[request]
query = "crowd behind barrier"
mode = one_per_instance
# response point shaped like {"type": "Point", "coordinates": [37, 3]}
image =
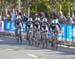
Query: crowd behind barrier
{"type": "Point", "coordinates": [11, 15]}
{"type": "Point", "coordinates": [68, 30]}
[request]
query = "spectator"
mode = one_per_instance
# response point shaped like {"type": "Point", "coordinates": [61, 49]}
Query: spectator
{"type": "Point", "coordinates": [19, 16]}
{"type": "Point", "coordinates": [4, 17]}
{"type": "Point", "coordinates": [43, 17]}
{"type": "Point", "coordinates": [8, 16]}
{"type": "Point", "coordinates": [25, 18]}
{"type": "Point", "coordinates": [73, 16]}
{"type": "Point", "coordinates": [13, 16]}
{"type": "Point", "coordinates": [69, 19]}
{"type": "Point", "coordinates": [61, 18]}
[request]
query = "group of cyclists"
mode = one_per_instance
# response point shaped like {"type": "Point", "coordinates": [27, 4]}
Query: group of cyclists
{"type": "Point", "coordinates": [37, 30]}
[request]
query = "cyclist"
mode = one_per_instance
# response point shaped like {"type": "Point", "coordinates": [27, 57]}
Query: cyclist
{"type": "Point", "coordinates": [54, 29]}
{"type": "Point", "coordinates": [29, 27]}
{"type": "Point", "coordinates": [37, 23]}
{"type": "Point", "coordinates": [44, 25]}
{"type": "Point", "coordinates": [44, 32]}
{"type": "Point", "coordinates": [18, 26]}
{"type": "Point", "coordinates": [29, 23]}
{"type": "Point", "coordinates": [18, 22]}
{"type": "Point", "coordinates": [36, 31]}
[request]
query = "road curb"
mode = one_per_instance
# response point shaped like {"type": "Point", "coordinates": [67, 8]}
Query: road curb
{"type": "Point", "coordinates": [66, 46]}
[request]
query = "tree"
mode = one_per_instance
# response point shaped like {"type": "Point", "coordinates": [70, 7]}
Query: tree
{"type": "Point", "coordinates": [40, 5]}
{"type": "Point", "coordinates": [64, 5]}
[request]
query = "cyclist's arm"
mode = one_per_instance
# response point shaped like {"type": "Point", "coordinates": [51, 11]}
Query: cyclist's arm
{"type": "Point", "coordinates": [15, 24]}
{"type": "Point", "coordinates": [21, 25]}
{"type": "Point", "coordinates": [59, 26]}
{"type": "Point", "coordinates": [50, 28]}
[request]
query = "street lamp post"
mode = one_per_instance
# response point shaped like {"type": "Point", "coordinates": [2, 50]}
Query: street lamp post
{"type": "Point", "coordinates": [19, 4]}
{"type": "Point", "coordinates": [36, 5]}
{"type": "Point", "coordinates": [29, 5]}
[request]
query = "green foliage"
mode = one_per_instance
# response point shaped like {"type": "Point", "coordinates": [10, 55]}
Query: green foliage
{"type": "Point", "coordinates": [46, 5]}
{"type": "Point", "coordinates": [42, 5]}
{"type": "Point", "coordinates": [66, 5]}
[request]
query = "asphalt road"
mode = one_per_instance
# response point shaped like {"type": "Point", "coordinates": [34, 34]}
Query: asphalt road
{"type": "Point", "coordinates": [10, 50]}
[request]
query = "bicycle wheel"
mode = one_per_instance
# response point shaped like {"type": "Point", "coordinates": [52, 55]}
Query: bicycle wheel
{"type": "Point", "coordinates": [54, 43]}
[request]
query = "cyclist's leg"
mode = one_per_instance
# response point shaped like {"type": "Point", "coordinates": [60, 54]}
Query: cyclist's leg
{"type": "Point", "coordinates": [52, 43]}
{"type": "Point", "coordinates": [28, 36]}
{"type": "Point", "coordinates": [39, 39]}
{"type": "Point", "coordinates": [31, 38]}
{"type": "Point", "coordinates": [20, 38]}
{"type": "Point", "coordinates": [43, 39]}
{"type": "Point", "coordinates": [56, 42]}
{"type": "Point", "coordinates": [46, 39]}
{"type": "Point", "coordinates": [17, 36]}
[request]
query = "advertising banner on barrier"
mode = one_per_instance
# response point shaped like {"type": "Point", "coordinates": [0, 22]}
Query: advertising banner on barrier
{"type": "Point", "coordinates": [7, 25]}
{"type": "Point", "coordinates": [62, 35]}
{"type": "Point", "coordinates": [69, 32]}
{"type": "Point", "coordinates": [1, 26]}
{"type": "Point", "coordinates": [12, 28]}
{"type": "Point", "coordinates": [73, 32]}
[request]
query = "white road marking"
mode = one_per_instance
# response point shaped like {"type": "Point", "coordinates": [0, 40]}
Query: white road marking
{"type": "Point", "coordinates": [9, 49]}
{"type": "Point", "coordinates": [1, 40]}
{"type": "Point", "coordinates": [33, 55]}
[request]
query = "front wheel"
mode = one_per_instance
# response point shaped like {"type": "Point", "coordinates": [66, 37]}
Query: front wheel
{"type": "Point", "coordinates": [54, 42]}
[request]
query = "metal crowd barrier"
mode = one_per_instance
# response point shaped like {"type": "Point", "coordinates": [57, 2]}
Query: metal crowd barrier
{"type": "Point", "coordinates": [68, 30]}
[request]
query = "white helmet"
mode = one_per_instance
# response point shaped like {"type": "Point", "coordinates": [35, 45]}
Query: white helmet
{"type": "Point", "coordinates": [55, 21]}
{"type": "Point", "coordinates": [18, 17]}
{"type": "Point", "coordinates": [45, 19]}
{"type": "Point", "coordinates": [37, 18]}
{"type": "Point", "coordinates": [30, 19]}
